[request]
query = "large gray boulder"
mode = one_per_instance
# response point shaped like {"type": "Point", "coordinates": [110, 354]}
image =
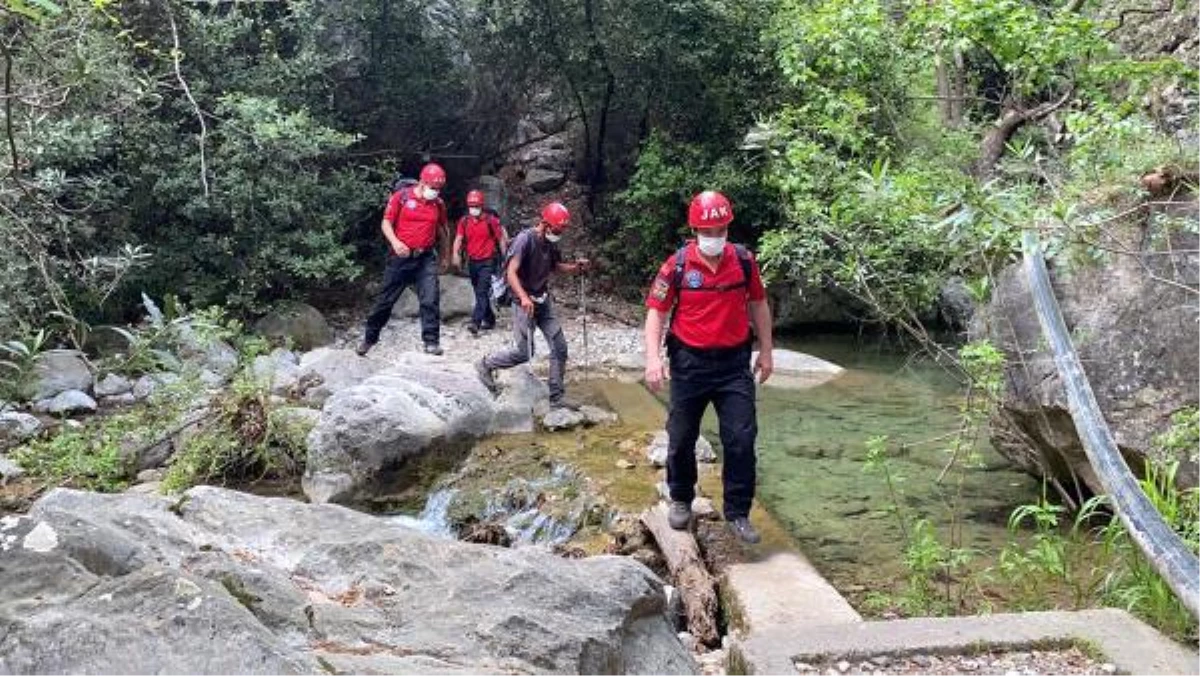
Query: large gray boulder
{"type": "Point", "coordinates": [371, 437]}
{"type": "Point", "coordinates": [544, 180]}
{"type": "Point", "coordinates": [207, 352]}
{"type": "Point", "coordinates": [217, 581]}
{"type": "Point", "coordinates": [1136, 338]}
{"type": "Point", "coordinates": [58, 371]}
{"type": "Point", "coordinates": [325, 371]}
{"type": "Point", "coordinates": [798, 371]}
{"type": "Point", "coordinates": [456, 299]}
{"type": "Point", "coordinates": [280, 371]}
{"type": "Point", "coordinates": [302, 324]}
{"type": "Point", "coordinates": [796, 305]}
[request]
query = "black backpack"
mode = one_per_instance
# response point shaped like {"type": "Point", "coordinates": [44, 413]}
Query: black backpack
{"type": "Point", "coordinates": [501, 294]}
{"type": "Point", "coordinates": [402, 182]}
{"type": "Point", "coordinates": [743, 256]}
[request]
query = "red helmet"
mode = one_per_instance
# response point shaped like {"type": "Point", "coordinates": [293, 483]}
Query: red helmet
{"type": "Point", "coordinates": [475, 198]}
{"type": "Point", "coordinates": [433, 175]}
{"type": "Point", "coordinates": [556, 215]}
{"type": "Point", "coordinates": [710, 209]}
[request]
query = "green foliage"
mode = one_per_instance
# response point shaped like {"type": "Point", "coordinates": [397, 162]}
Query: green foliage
{"type": "Point", "coordinates": [18, 365]}
{"type": "Point", "coordinates": [241, 441]}
{"type": "Point", "coordinates": [938, 571]}
{"type": "Point", "coordinates": [1182, 439]}
{"type": "Point", "coordinates": [86, 458]}
{"type": "Point", "coordinates": [651, 213]}
{"type": "Point", "coordinates": [1131, 582]}
{"type": "Point", "coordinates": [1101, 565]}
{"type": "Point", "coordinates": [99, 455]}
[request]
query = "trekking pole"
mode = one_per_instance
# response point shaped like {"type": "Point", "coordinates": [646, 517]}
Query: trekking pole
{"type": "Point", "coordinates": [532, 335]}
{"type": "Point", "coordinates": [583, 310]}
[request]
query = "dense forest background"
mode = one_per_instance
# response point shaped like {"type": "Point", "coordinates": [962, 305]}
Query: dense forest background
{"type": "Point", "coordinates": [238, 153]}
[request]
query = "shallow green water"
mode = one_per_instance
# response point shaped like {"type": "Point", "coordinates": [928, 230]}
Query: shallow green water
{"type": "Point", "coordinates": [811, 464]}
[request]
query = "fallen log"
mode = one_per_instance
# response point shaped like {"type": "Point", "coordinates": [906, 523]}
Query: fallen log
{"type": "Point", "coordinates": [697, 588]}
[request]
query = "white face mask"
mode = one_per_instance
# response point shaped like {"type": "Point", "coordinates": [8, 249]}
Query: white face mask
{"type": "Point", "coordinates": [475, 211]}
{"type": "Point", "coordinates": [430, 194]}
{"type": "Point", "coordinates": [552, 237]}
{"type": "Point", "coordinates": [710, 246]}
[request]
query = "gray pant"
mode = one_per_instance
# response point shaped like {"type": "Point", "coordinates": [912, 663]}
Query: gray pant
{"type": "Point", "coordinates": [519, 353]}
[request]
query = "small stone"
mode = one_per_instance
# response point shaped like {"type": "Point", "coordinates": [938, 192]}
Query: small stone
{"type": "Point", "coordinates": [9, 470]}
{"type": "Point", "coordinates": [803, 666]}
{"type": "Point", "coordinates": [123, 399]}
{"type": "Point", "coordinates": [146, 385]}
{"type": "Point", "coordinates": [16, 426]}
{"type": "Point", "coordinates": [1108, 668]}
{"type": "Point", "coordinates": [147, 488]}
{"type": "Point", "coordinates": [922, 661]}
{"type": "Point", "coordinates": [968, 665]}
{"type": "Point", "coordinates": [112, 385]}
{"type": "Point", "coordinates": [625, 464]}
{"type": "Point", "coordinates": [843, 666]}
{"type": "Point", "coordinates": [71, 401]}
{"type": "Point", "coordinates": [881, 660]}
{"type": "Point", "coordinates": [148, 475]}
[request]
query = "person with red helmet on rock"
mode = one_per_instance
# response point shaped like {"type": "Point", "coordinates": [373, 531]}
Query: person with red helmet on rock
{"type": "Point", "coordinates": [485, 240]}
{"type": "Point", "coordinates": [530, 260]}
{"type": "Point", "coordinates": [414, 218]}
{"type": "Point", "coordinates": [713, 294]}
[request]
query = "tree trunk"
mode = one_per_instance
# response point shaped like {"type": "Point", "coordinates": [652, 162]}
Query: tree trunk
{"type": "Point", "coordinates": [951, 88]}
{"type": "Point", "coordinates": [597, 174]}
{"type": "Point", "coordinates": [958, 89]}
{"type": "Point", "coordinates": [992, 148]}
{"type": "Point", "coordinates": [696, 586]}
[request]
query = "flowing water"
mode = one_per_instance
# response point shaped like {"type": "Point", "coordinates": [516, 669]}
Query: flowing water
{"type": "Point", "coordinates": [813, 476]}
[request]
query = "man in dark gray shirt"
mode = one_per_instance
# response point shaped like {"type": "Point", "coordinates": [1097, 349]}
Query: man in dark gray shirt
{"type": "Point", "coordinates": [532, 257]}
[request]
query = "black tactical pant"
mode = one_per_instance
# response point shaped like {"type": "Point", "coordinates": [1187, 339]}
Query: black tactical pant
{"type": "Point", "coordinates": [721, 377]}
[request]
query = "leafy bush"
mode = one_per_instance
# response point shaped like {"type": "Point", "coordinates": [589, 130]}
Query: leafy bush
{"type": "Point", "coordinates": [241, 441]}
{"type": "Point", "coordinates": [650, 215]}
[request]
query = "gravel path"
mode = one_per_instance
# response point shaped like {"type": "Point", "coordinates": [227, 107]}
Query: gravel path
{"type": "Point", "coordinates": [1010, 663]}
{"type": "Point", "coordinates": [610, 343]}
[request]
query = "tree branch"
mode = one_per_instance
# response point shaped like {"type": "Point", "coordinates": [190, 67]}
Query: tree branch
{"type": "Point", "coordinates": [176, 55]}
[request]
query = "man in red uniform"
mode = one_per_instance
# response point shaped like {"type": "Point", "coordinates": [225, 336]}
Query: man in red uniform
{"type": "Point", "coordinates": [485, 240]}
{"type": "Point", "coordinates": [414, 217]}
{"type": "Point", "coordinates": [717, 294]}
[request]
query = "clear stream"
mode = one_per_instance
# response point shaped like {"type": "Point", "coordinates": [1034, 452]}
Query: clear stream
{"type": "Point", "coordinates": [812, 451]}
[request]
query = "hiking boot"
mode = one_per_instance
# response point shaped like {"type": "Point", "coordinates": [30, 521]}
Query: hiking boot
{"type": "Point", "coordinates": [363, 348]}
{"type": "Point", "coordinates": [487, 327]}
{"type": "Point", "coordinates": [433, 348]}
{"type": "Point", "coordinates": [679, 515]}
{"type": "Point", "coordinates": [473, 330]}
{"type": "Point", "coordinates": [740, 526]}
{"type": "Point", "coordinates": [486, 377]}
{"type": "Point", "coordinates": [564, 403]}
